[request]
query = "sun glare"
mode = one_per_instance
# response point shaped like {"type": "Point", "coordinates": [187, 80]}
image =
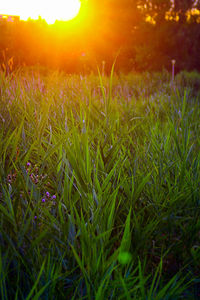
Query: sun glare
{"type": "Point", "coordinates": [50, 10]}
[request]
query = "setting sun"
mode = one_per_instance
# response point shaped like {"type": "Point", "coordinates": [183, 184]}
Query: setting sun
{"type": "Point", "coordinates": [61, 10]}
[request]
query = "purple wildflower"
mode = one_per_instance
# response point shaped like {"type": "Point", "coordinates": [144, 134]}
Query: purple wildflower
{"type": "Point", "coordinates": [43, 200]}
{"type": "Point", "coordinates": [28, 164]}
{"type": "Point", "coordinates": [53, 197]}
{"type": "Point", "coordinates": [47, 194]}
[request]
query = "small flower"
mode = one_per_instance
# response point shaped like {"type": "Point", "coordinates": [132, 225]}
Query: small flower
{"type": "Point", "coordinates": [53, 197]}
{"type": "Point", "coordinates": [9, 178]}
{"type": "Point", "coordinates": [28, 164]}
{"type": "Point", "coordinates": [35, 217]}
{"type": "Point", "coordinates": [47, 194]}
{"type": "Point", "coordinates": [43, 200]}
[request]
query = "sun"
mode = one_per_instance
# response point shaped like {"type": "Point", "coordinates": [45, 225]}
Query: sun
{"type": "Point", "coordinates": [50, 10]}
{"type": "Point", "coordinates": [62, 10]}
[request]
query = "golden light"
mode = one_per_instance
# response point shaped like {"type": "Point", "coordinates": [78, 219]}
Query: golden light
{"type": "Point", "coordinates": [50, 10]}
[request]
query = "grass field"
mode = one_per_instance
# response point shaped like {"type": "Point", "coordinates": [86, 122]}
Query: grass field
{"type": "Point", "coordinates": [99, 186]}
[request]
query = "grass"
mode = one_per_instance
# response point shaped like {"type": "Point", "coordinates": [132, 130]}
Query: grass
{"type": "Point", "coordinates": [99, 187]}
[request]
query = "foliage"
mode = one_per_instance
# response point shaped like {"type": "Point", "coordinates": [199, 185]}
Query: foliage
{"type": "Point", "coordinates": [189, 80]}
{"type": "Point", "coordinates": [99, 187]}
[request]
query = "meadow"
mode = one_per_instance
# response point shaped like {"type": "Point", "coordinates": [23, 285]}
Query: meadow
{"type": "Point", "coordinates": [99, 186]}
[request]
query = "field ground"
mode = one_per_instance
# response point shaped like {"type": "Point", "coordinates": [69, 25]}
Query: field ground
{"type": "Point", "coordinates": [99, 186]}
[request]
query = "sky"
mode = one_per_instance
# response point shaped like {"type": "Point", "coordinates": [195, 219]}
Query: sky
{"type": "Point", "coordinates": [47, 9]}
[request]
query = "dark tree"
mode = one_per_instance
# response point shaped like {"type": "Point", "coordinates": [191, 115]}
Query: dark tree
{"type": "Point", "coordinates": [156, 9]}
{"type": "Point", "coordinates": [181, 7]}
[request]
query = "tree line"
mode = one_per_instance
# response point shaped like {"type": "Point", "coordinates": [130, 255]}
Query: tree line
{"type": "Point", "coordinates": [144, 35]}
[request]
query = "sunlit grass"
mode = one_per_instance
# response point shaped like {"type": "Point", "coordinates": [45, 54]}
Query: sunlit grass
{"type": "Point", "coordinates": [99, 187]}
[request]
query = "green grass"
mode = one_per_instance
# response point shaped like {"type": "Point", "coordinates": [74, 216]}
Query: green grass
{"type": "Point", "coordinates": [99, 187]}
